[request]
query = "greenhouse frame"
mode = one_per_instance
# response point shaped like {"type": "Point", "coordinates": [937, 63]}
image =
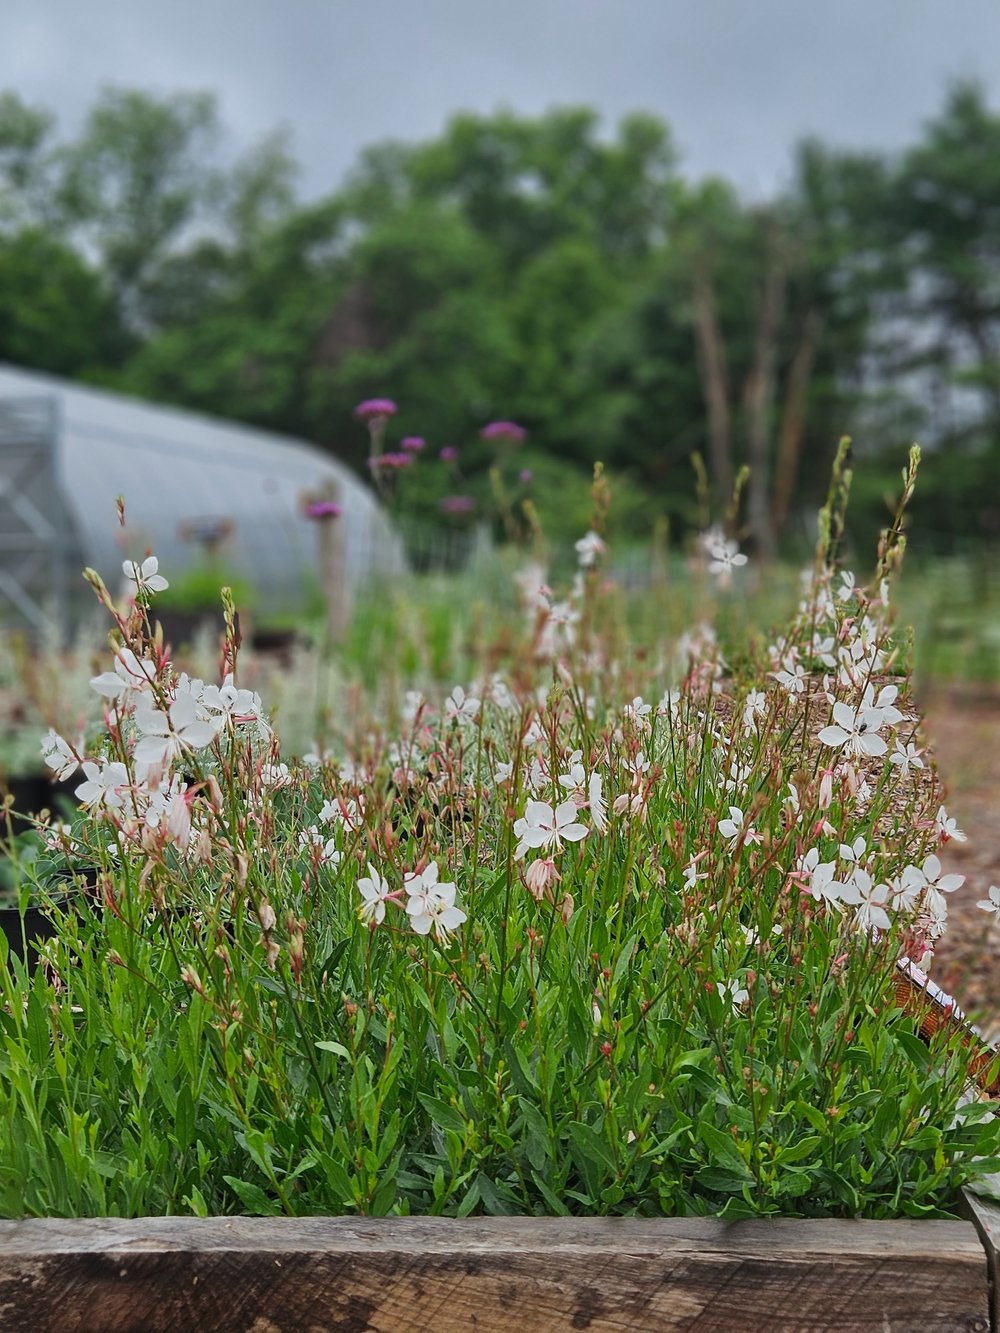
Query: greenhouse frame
{"type": "Point", "coordinates": [191, 485]}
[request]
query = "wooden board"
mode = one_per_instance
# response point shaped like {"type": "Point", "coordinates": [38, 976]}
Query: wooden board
{"type": "Point", "coordinates": [406, 1275]}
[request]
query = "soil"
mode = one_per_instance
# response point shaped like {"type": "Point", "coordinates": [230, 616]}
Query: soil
{"type": "Point", "coordinates": [962, 725]}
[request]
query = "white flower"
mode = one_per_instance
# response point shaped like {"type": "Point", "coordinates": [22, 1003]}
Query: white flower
{"type": "Point", "coordinates": [871, 901]}
{"type": "Point", "coordinates": [130, 675]}
{"type": "Point", "coordinates": [432, 905]}
{"type": "Point", "coordinates": [324, 848]}
{"type": "Point", "coordinates": [947, 828]}
{"type": "Point", "coordinates": [726, 557]}
{"type": "Point", "coordinates": [792, 676]}
{"type": "Point", "coordinates": [576, 776]}
{"type": "Point", "coordinates": [906, 757]}
{"type": "Point", "coordinates": [543, 827]}
{"type": "Point", "coordinates": [275, 775]}
{"type": "Point", "coordinates": [104, 785]}
{"type": "Point", "coordinates": [854, 851]}
{"type": "Point", "coordinates": [144, 576]}
{"type": "Point", "coordinates": [824, 888]}
{"type": "Point", "coordinates": [503, 773]}
{"type": "Point", "coordinates": [754, 705]}
{"type": "Point", "coordinates": [588, 548]}
{"type": "Point", "coordinates": [856, 730]}
{"type": "Point", "coordinates": [460, 707]}
{"type": "Point", "coordinates": [929, 881]}
{"type": "Point", "coordinates": [58, 755]}
{"type": "Point", "coordinates": [732, 991]}
{"type": "Point", "coordinates": [598, 806]}
{"type": "Point", "coordinates": [884, 704]}
{"type": "Point", "coordinates": [638, 711]}
{"type": "Point", "coordinates": [691, 875]}
{"type": "Point", "coordinates": [733, 829]}
{"type": "Point", "coordinates": [165, 735]}
{"type": "Point", "coordinates": [375, 892]}
{"type": "Point", "coordinates": [992, 903]}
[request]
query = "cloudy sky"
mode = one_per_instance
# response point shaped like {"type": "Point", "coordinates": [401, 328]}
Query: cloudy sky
{"type": "Point", "coordinates": [738, 80]}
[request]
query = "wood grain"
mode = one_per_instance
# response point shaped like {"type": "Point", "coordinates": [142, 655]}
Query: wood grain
{"type": "Point", "coordinates": [407, 1274]}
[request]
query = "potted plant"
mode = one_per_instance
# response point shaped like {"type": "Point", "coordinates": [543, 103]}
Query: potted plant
{"type": "Point", "coordinates": [618, 962]}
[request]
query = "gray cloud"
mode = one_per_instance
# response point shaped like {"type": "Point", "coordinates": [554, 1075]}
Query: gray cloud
{"type": "Point", "coordinates": [738, 80]}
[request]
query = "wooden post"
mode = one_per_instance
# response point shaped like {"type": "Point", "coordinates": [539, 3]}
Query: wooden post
{"type": "Point", "coordinates": [501, 1273]}
{"type": "Point", "coordinates": [332, 545]}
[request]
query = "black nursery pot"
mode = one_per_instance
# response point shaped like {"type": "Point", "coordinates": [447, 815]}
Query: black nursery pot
{"type": "Point", "coordinates": [37, 929]}
{"type": "Point", "coordinates": [37, 792]}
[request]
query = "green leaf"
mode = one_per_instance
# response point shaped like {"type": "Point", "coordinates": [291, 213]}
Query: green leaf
{"type": "Point", "coordinates": [252, 1197]}
{"type": "Point", "coordinates": [334, 1047]}
{"type": "Point", "coordinates": [443, 1115]}
{"type": "Point", "coordinates": [724, 1151]}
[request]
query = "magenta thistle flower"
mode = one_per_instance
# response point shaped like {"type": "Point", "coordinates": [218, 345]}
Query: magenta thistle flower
{"type": "Point", "coordinates": [525, 476]}
{"type": "Point", "coordinates": [449, 454]}
{"type": "Point", "coordinates": [504, 430]}
{"type": "Point", "coordinates": [389, 462]}
{"type": "Point", "coordinates": [457, 504]}
{"type": "Point", "coordinates": [323, 509]}
{"type": "Point", "coordinates": [375, 409]}
{"type": "Point", "coordinates": [412, 444]}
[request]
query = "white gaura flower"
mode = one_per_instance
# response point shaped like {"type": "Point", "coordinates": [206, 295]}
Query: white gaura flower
{"type": "Point", "coordinates": [855, 730]}
{"type": "Point", "coordinates": [545, 828]}
{"type": "Point", "coordinates": [906, 757]}
{"type": "Point", "coordinates": [854, 852]}
{"type": "Point", "coordinates": [144, 576]}
{"type": "Point", "coordinates": [734, 829]}
{"type": "Point", "coordinates": [460, 707]}
{"type": "Point", "coordinates": [732, 991]}
{"type": "Point", "coordinates": [598, 805]}
{"type": "Point", "coordinates": [754, 705]}
{"type": "Point", "coordinates": [576, 776]}
{"type": "Point", "coordinates": [947, 828]}
{"type": "Point", "coordinates": [166, 735]}
{"type": "Point", "coordinates": [885, 703]}
{"type": "Point", "coordinates": [588, 548]}
{"type": "Point", "coordinates": [823, 886]}
{"type": "Point", "coordinates": [871, 901]}
{"type": "Point", "coordinates": [504, 772]}
{"type": "Point", "coordinates": [375, 893]}
{"type": "Point", "coordinates": [324, 849]}
{"type": "Point", "coordinates": [431, 905]}
{"type": "Point", "coordinates": [59, 755]}
{"type": "Point", "coordinates": [928, 880]}
{"type": "Point", "coordinates": [725, 557]}
{"type": "Point", "coordinates": [791, 677]}
{"type": "Point", "coordinates": [131, 675]}
{"type": "Point", "coordinates": [105, 785]}
{"type": "Point", "coordinates": [992, 903]}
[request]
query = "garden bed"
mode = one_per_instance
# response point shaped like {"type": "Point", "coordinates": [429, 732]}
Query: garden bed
{"type": "Point", "coordinates": [496, 1273]}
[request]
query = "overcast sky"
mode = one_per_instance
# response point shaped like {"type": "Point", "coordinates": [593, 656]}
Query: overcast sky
{"type": "Point", "coordinates": [739, 81]}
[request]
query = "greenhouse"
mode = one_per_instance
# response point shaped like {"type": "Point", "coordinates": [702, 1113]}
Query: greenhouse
{"type": "Point", "coordinates": [197, 492]}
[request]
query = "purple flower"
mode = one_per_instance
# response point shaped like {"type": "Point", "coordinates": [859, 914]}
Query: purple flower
{"type": "Point", "coordinates": [412, 444]}
{"type": "Point", "coordinates": [323, 509]}
{"type": "Point", "coordinates": [504, 430]}
{"type": "Point", "coordinates": [376, 409]}
{"type": "Point", "coordinates": [457, 504]}
{"type": "Point", "coordinates": [525, 476]}
{"type": "Point", "coordinates": [388, 462]}
{"type": "Point", "coordinates": [449, 454]}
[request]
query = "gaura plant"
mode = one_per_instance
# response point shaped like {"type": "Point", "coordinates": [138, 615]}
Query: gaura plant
{"type": "Point", "coordinates": [603, 932]}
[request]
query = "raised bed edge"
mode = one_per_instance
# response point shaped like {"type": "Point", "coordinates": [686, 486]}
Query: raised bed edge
{"type": "Point", "coordinates": [273, 1274]}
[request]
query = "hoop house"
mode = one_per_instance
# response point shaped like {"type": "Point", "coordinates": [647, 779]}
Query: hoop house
{"type": "Point", "coordinates": [191, 484]}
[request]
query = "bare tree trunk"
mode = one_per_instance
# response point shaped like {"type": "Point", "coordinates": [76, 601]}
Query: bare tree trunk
{"type": "Point", "coordinates": [712, 366]}
{"type": "Point", "coordinates": [794, 419]}
{"type": "Point", "coordinates": [758, 400]}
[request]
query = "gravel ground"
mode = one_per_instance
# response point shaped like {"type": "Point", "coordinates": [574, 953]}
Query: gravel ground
{"type": "Point", "coordinates": [962, 726]}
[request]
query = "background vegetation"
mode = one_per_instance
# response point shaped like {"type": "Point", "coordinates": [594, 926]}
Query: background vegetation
{"type": "Point", "coordinates": [542, 270]}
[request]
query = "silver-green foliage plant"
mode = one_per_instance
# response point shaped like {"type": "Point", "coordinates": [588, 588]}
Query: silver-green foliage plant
{"type": "Point", "coordinates": [596, 935]}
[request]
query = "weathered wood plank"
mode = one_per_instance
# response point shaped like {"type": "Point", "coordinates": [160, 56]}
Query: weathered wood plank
{"type": "Point", "coordinates": [407, 1274]}
{"type": "Point", "coordinates": [985, 1214]}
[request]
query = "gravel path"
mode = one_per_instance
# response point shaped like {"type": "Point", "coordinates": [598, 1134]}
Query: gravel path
{"type": "Point", "coordinates": [963, 728]}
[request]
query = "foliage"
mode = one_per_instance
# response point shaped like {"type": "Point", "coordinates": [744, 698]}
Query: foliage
{"type": "Point", "coordinates": [542, 948]}
{"type": "Point", "coordinates": [537, 269]}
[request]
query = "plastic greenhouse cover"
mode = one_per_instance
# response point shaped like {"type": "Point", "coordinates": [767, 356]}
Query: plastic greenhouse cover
{"type": "Point", "coordinates": [178, 470]}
